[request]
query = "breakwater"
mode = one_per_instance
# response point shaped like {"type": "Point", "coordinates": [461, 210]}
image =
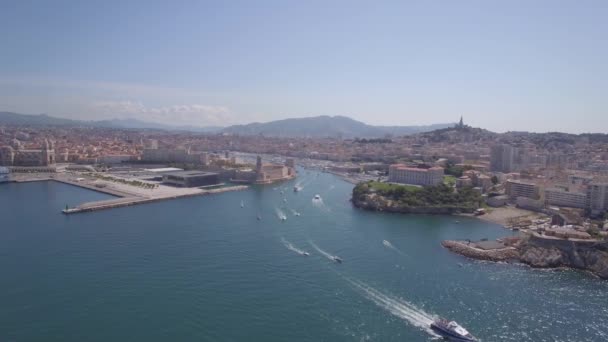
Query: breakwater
{"type": "Point", "coordinates": [470, 250]}
{"type": "Point", "coordinates": [129, 201]}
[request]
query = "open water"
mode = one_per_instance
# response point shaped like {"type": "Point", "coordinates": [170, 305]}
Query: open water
{"type": "Point", "coordinates": [205, 269]}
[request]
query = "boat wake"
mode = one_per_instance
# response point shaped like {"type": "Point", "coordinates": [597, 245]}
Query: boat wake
{"type": "Point", "coordinates": [280, 214]}
{"type": "Point", "coordinates": [324, 253]}
{"type": "Point", "coordinates": [389, 245]}
{"type": "Point", "coordinates": [318, 203]}
{"type": "Point", "coordinates": [292, 247]}
{"type": "Point", "coordinates": [396, 306]}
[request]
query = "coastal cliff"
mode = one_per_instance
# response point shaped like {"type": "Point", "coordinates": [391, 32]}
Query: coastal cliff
{"type": "Point", "coordinates": [541, 252]}
{"type": "Point", "coordinates": [441, 199]}
{"type": "Point", "coordinates": [585, 255]}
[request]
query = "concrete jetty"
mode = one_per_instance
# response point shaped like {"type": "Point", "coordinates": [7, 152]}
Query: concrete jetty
{"type": "Point", "coordinates": [129, 201]}
{"type": "Point", "coordinates": [126, 194]}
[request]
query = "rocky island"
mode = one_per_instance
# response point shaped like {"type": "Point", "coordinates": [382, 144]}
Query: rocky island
{"type": "Point", "coordinates": [410, 199]}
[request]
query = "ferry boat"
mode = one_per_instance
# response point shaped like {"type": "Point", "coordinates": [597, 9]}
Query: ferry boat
{"type": "Point", "coordinates": [452, 331]}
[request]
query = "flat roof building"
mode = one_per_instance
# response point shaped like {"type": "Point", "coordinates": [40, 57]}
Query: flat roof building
{"type": "Point", "coordinates": [516, 189]}
{"type": "Point", "coordinates": [191, 179]}
{"type": "Point", "coordinates": [400, 173]}
{"type": "Point", "coordinates": [563, 198]}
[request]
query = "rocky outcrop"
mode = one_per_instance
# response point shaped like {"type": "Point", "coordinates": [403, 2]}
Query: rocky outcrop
{"type": "Point", "coordinates": [585, 255]}
{"type": "Point", "coordinates": [541, 252]}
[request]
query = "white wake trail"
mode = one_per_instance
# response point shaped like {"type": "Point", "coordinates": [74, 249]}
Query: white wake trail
{"type": "Point", "coordinates": [324, 253]}
{"type": "Point", "coordinates": [280, 214]}
{"type": "Point", "coordinates": [291, 247]}
{"type": "Point", "coordinates": [396, 306]}
{"type": "Point", "coordinates": [389, 245]}
{"type": "Point", "coordinates": [318, 203]}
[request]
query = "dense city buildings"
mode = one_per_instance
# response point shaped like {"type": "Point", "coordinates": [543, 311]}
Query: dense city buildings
{"type": "Point", "coordinates": [543, 170]}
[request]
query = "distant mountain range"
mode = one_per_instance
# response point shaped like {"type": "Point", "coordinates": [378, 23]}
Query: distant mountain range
{"type": "Point", "coordinates": [326, 126]}
{"type": "Point", "coordinates": [16, 119]}
{"type": "Point", "coordinates": [314, 127]}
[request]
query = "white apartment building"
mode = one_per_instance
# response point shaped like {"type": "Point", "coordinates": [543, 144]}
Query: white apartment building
{"type": "Point", "coordinates": [563, 198]}
{"type": "Point", "coordinates": [516, 189]}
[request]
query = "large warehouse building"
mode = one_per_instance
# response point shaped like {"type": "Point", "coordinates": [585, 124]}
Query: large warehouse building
{"type": "Point", "coordinates": [191, 179]}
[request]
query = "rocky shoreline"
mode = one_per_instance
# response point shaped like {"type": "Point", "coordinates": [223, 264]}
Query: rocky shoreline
{"type": "Point", "coordinates": [378, 203]}
{"type": "Point", "coordinates": [540, 252]}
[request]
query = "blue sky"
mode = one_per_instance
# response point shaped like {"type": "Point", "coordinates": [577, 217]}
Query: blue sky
{"type": "Point", "coordinates": [510, 65]}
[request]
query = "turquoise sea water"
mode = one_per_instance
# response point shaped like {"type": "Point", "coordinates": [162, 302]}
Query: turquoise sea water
{"type": "Point", "coordinates": [205, 269]}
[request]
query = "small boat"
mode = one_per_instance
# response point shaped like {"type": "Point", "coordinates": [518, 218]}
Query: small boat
{"type": "Point", "coordinates": [317, 197]}
{"type": "Point", "coordinates": [259, 217]}
{"type": "Point", "coordinates": [285, 200]}
{"type": "Point", "coordinates": [305, 253]}
{"type": "Point", "coordinates": [337, 259]}
{"type": "Point", "coordinates": [283, 218]}
{"type": "Point", "coordinates": [296, 188]}
{"type": "Point", "coordinates": [452, 331]}
{"type": "Point", "coordinates": [242, 204]}
{"type": "Point", "coordinates": [297, 213]}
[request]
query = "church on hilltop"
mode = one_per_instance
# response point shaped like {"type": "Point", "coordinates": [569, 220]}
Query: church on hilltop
{"type": "Point", "coordinates": [460, 124]}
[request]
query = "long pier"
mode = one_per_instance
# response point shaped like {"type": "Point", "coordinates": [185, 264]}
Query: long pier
{"type": "Point", "coordinates": [134, 200]}
{"type": "Point", "coordinates": [126, 195]}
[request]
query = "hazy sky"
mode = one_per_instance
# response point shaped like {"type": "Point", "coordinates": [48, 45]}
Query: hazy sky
{"type": "Point", "coordinates": [504, 65]}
